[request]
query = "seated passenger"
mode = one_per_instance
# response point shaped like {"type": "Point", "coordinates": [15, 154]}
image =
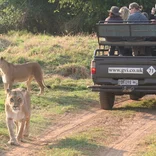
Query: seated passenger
{"type": "Point", "coordinates": [114, 17]}
{"type": "Point", "coordinates": [137, 17]}
{"type": "Point", "coordinates": [152, 19]}
{"type": "Point", "coordinates": [124, 13]}
{"type": "Point", "coordinates": [152, 15]}
{"type": "Point", "coordinates": [135, 14]}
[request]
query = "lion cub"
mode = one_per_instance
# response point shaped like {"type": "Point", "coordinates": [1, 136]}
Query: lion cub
{"type": "Point", "coordinates": [18, 111]}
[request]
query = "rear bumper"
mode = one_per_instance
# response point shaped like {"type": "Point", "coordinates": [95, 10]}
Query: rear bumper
{"type": "Point", "coordinates": [124, 89]}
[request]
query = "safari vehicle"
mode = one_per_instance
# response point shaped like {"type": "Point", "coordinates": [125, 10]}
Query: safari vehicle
{"type": "Point", "coordinates": [117, 75]}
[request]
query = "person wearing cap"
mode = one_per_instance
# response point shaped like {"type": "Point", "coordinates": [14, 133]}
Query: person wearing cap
{"type": "Point", "coordinates": [114, 17]}
{"type": "Point", "coordinates": [135, 14]}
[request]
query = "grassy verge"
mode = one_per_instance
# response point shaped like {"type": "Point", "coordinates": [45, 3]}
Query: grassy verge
{"type": "Point", "coordinates": [95, 138]}
{"type": "Point", "coordinates": [48, 107]}
{"type": "Point", "coordinates": [65, 62]}
{"type": "Point", "coordinates": [148, 146]}
{"type": "Point", "coordinates": [84, 143]}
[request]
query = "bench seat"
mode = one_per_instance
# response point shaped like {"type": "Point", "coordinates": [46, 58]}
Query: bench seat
{"type": "Point", "coordinates": [131, 31]}
{"type": "Point", "coordinates": [128, 43]}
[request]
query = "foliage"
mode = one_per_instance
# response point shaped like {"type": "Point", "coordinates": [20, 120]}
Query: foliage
{"type": "Point", "coordinates": [91, 11]}
{"type": "Point", "coordinates": [58, 16]}
{"type": "Point", "coordinates": [148, 146]}
{"type": "Point", "coordinates": [57, 53]}
{"type": "Point", "coordinates": [73, 70]}
{"type": "Point", "coordinates": [34, 16]}
{"type": "Point", "coordinates": [67, 96]}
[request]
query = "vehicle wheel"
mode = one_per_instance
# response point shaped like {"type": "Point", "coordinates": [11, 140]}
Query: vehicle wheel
{"type": "Point", "coordinates": [106, 100]}
{"type": "Point", "coordinates": [136, 96]}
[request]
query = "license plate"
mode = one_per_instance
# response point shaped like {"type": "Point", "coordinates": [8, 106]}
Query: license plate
{"type": "Point", "coordinates": [123, 82]}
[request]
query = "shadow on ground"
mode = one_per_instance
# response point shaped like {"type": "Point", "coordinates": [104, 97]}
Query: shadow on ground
{"type": "Point", "coordinates": [83, 146]}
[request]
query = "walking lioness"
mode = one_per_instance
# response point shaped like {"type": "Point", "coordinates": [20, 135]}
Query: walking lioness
{"type": "Point", "coordinates": [21, 72]}
{"type": "Point", "coordinates": [18, 111]}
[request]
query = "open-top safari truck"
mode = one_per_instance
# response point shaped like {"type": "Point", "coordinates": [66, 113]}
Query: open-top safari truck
{"type": "Point", "coordinates": [117, 75]}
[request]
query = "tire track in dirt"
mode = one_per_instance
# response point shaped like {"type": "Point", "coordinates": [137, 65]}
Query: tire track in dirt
{"type": "Point", "coordinates": [57, 131]}
{"type": "Point", "coordinates": [126, 145]}
{"type": "Point", "coordinates": [64, 126]}
{"type": "Point", "coordinates": [144, 124]}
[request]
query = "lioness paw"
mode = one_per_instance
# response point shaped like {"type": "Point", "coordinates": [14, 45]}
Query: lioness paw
{"type": "Point", "coordinates": [11, 142]}
{"type": "Point", "coordinates": [19, 139]}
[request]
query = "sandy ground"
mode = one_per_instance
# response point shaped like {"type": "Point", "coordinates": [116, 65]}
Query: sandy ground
{"type": "Point", "coordinates": [132, 132]}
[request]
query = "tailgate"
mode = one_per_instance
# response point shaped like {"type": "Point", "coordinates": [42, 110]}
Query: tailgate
{"type": "Point", "coordinates": [112, 69]}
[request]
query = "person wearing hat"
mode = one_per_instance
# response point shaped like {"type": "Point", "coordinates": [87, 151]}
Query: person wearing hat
{"type": "Point", "coordinates": [114, 17]}
{"type": "Point", "coordinates": [135, 14]}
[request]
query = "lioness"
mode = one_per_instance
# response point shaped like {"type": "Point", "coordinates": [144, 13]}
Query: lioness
{"type": "Point", "coordinates": [21, 72]}
{"type": "Point", "coordinates": [18, 111]}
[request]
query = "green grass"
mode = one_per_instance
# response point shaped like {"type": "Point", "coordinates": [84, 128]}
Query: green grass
{"type": "Point", "coordinates": [81, 144]}
{"type": "Point", "coordinates": [51, 51]}
{"type": "Point", "coordinates": [148, 146]}
{"type": "Point", "coordinates": [4, 137]}
{"type": "Point", "coordinates": [66, 64]}
{"type": "Point", "coordinates": [141, 105]}
{"type": "Point", "coordinates": [54, 102]}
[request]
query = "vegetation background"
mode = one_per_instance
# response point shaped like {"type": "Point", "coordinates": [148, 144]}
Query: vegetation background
{"type": "Point", "coordinates": [30, 31]}
{"type": "Point", "coordinates": [66, 61]}
{"type": "Point", "coordinates": [58, 16]}
{"type": "Point", "coordinates": [66, 64]}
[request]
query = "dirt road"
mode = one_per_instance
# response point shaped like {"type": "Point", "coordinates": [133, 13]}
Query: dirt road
{"type": "Point", "coordinates": [132, 131]}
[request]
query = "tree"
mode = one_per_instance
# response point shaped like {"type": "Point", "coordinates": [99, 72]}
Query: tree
{"type": "Point", "coordinates": [86, 13]}
{"type": "Point", "coordinates": [58, 16]}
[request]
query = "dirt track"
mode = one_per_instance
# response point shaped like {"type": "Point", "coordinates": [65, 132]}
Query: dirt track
{"type": "Point", "coordinates": [132, 131]}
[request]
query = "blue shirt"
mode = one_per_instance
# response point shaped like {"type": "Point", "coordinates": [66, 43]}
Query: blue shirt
{"type": "Point", "coordinates": [137, 17]}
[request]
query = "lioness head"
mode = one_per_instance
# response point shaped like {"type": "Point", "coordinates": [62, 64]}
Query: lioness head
{"type": "Point", "coordinates": [15, 100]}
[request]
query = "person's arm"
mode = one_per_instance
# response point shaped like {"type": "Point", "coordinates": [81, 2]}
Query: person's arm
{"type": "Point", "coordinates": [107, 20]}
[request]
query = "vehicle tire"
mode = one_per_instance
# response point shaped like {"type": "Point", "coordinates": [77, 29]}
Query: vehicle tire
{"type": "Point", "coordinates": [136, 96]}
{"type": "Point", "coordinates": [106, 100]}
